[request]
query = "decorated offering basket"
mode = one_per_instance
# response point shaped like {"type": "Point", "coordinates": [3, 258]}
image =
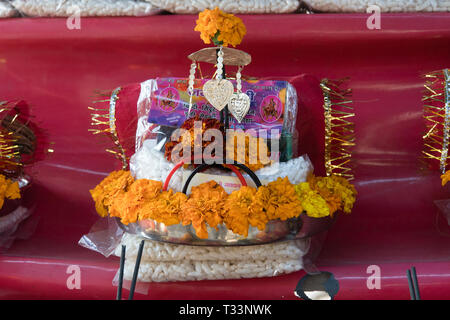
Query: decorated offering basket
{"type": "Point", "coordinates": [22, 143]}
{"type": "Point", "coordinates": [189, 203]}
{"type": "Point", "coordinates": [174, 112]}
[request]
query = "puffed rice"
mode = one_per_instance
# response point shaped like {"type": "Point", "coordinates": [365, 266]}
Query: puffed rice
{"type": "Point", "coordinates": [385, 5]}
{"type": "Point", "coordinates": [229, 6]}
{"type": "Point", "coordinates": [169, 262]}
{"type": "Point", "coordinates": [85, 8]}
{"type": "Point", "coordinates": [6, 10]}
{"type": "Point", "coordinates": [149, 163]}
{"type": "Point", "coordinates": [297, 170]}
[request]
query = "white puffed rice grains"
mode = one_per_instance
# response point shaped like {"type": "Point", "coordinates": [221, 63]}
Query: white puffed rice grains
{"type": "Point", "coordinates": [385, 5]}
{"type": "Point", "coordinates": [229, 6]}
{"type": "Point", "coordinates": [85, 8]}
{"type": "Point", "coordinates": [163, 262]}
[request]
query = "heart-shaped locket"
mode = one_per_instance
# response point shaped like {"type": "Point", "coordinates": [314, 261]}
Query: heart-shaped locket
{"type": "Point", "coordinates": [218, 92]}
{"type": "Point", "coordinates": [239, 105]}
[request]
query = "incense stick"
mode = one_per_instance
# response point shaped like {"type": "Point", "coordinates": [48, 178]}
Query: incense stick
{"type": "Point", "coordinates": [415, 283]}
{"type": "Point", "coordinates": [410, 284]}
{"type": "Point", "coordinates": [122, 265]}
{"type": "Point", "coordinates": [136, 270]}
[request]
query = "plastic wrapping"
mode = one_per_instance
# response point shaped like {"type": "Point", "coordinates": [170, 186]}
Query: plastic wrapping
{"type": "Point", "coordinates": [6, 10]}
{"type": "Point", "coordinates": [163, 106]}
{"type": "Point", "coordinates": [103, 237]}
{"type": "Point", "coordinates": [84, 8]}
{"type": "Point", "coordinates": [444, 207]}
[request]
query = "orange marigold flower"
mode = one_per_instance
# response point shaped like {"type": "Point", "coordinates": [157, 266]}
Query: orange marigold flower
{"type": "Point", "coordinates": [312, 202]}
{"type": "Point", "coordinates": [8, 190]}
{"type": "Point", "coordinates": [220, 27]}
{"type": "Point", "coordinates": [188, 138]}
{"type": "Point", "coordinates": [324, 187]}
{"type": "Point", "coordinates": [127, 206]}
{"type": "Point", "coordinates": [445, 177]}
{"type": "Point", "coordinates": [204, 206]}
{"type": "Point", "coordinates": [165, 208]}
{"type": "Point", "coordinates": [115, 184]}
{"type": "Point", "coordinates": [241, 210]}
{"type": "Point", "coordinates": [338, 193]}
{"type": "Point", "coordinates": [279, 199]}
{"type": "Point", "coordinates": [249, 150]}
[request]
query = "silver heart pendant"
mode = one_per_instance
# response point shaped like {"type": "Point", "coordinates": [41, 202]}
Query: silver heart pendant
{"type": "Point", "coordinates": [218, 92]}
{"type": "Point", "coordinates": [239, 105]}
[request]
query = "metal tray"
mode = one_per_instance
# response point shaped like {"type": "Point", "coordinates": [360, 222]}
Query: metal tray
{"type": "Point", "coordinates": [276, 230]}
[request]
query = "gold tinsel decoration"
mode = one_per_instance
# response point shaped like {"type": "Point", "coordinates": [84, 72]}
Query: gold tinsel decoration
{"type": "Point", "coordinates": [339, 128]}
{"type": "Point", "coordinates": [436, 112]}
{"type": "Point", "coordinates": [104, 122]}
{"type": "Point", "coordinates": [16, 140]}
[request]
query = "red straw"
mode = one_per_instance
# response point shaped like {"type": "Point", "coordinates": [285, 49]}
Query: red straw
{"type": "Point", "coordinates": [169, 176]}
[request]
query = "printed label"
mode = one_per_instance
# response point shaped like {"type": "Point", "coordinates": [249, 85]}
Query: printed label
{"type": "Point", "coordinates": [229, 183]}
{"type": "Point", "coordinates": [170, 104]}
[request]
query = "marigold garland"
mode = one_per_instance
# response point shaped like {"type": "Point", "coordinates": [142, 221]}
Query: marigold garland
{"type": "Point", "coordinates": [220, 27]}
{"type": "Point", "coordinates": [8, 190]}
{"type": "Point", "coordinates": [209, 205]}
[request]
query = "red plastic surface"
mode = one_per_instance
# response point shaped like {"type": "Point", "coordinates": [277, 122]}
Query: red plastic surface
{"type": "Point", "coordinates": [394, 224]}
